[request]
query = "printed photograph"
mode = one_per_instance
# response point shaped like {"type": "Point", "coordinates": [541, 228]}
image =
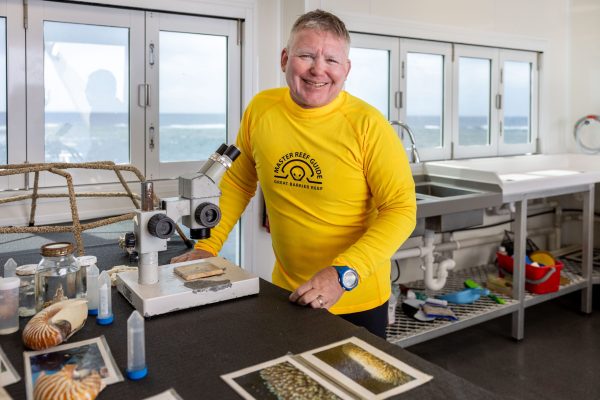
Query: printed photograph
{"type": "Point", "coordinates": [282, 378]}
{"type": "Point", "coordinates": [87, 365]}
{"type": "Point", "coordinates": [8, 375]}
{"type": "Point", "coordinates": [364, 369]}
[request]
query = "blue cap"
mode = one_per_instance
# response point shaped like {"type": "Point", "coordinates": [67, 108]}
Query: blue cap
{"type": "Point", "coordinates": [137, 374]}
{"type": "Point", "coordinates": [105, 321]}
{"type": "Point", "coordinates": [93, 311]}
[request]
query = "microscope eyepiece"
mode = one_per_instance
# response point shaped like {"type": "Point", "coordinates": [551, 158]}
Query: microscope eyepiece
{"type": "Point", "coordinates": [161, 226]}
{"type": "Point", "coordinates": [208, 215]}
{"type": "Point", "coordinates": [222, 148]}
{"type": "Point", "coordinates": [232, 152]}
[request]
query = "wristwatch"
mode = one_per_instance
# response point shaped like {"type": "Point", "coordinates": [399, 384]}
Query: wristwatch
{"type": "Point", "coordinates": [347, 276]}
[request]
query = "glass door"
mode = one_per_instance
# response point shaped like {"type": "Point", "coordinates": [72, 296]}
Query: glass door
{"type": "Point", "coordinates": [84, 63]}
{"type": "Point", "coordinates": [194, 96]}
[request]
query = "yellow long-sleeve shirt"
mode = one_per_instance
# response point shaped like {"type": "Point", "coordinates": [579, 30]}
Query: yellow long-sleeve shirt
{"type": "Point", "coordinates": [337, 186]}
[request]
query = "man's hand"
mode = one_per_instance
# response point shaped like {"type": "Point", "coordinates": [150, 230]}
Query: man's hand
{"type": "Point", "coordinates": [195, 254]}
{"type": "Point", "coordinates": [323, 290]}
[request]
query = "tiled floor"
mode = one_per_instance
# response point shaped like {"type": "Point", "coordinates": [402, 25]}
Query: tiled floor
{"type": "Point", "coordinates": [558, 359]}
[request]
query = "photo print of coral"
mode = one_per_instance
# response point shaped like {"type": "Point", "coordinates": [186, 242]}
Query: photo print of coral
{"type": "Point", "coordinates": [364, 370]}
{"type": "Point", "coordinates": [349, 369]}
{"type": "Point", "coordinates": [282, 378]}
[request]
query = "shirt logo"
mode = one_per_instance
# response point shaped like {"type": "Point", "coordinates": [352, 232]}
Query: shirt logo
{"type": "Point", "coordinates": [298, 169]}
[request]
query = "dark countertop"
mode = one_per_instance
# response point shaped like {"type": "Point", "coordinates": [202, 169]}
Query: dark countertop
{"type": "Point", "coordinates": [189, 350]}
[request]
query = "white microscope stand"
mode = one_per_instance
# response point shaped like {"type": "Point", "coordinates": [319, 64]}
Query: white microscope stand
{"type": "Point", "coordinates": [172, 293]}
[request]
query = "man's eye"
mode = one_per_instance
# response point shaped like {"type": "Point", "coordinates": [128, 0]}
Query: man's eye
{"type": "Point", "coordinates": [332, 61]}
{"type": "Point", "coordinates": [305, 56]}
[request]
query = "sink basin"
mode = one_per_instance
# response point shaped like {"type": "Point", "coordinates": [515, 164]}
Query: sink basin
{"type": "Point", "coordinates": [451, 204]}
{"type": "Point", "coordinates": [435, 190]}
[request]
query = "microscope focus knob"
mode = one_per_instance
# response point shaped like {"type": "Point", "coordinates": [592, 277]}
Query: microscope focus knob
{"type": "Point", "coordinates": [161, 226]}
{"type": "Point", "coordinates": [208, 215]}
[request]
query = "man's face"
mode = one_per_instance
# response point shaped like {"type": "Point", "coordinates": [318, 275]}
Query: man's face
{"type": "Point", "coordinates": [316, 66]}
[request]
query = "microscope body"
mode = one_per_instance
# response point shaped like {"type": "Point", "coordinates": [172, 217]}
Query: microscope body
{"type": "Point", "coordinates": [155, 290]}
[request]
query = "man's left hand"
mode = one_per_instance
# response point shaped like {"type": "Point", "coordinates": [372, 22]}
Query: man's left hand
{"type": "Point", "coordinates": [323, 290]}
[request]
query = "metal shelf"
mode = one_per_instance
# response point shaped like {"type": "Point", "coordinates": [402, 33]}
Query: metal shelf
{"type": "Point", "coordinates": [407, 331]}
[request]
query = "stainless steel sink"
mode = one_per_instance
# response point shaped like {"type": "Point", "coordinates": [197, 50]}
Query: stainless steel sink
{"type": "Point", "coordinates": [449, 204]}
{"type": "Point", "coordinates": [435, 190]}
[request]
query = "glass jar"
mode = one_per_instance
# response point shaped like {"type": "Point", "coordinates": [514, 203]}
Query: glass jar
{"type": "Point", "coordinates": [26, 274]}
{"type": "Point", "coordinates": [58, 276]}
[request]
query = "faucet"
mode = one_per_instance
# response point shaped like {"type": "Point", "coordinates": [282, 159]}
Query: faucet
{"type": "Point", "coordinates": [413, 146]}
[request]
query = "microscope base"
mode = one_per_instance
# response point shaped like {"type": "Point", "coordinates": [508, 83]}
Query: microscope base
{"type": "Point", "coordinates": [172, 293]}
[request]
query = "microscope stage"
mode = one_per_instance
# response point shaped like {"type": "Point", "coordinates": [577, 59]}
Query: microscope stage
{"type": "Point", "coordinates": [173, 293]}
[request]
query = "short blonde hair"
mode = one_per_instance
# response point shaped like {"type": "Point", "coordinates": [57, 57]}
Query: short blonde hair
{"type": "Point", "coordinates": [322, 21]}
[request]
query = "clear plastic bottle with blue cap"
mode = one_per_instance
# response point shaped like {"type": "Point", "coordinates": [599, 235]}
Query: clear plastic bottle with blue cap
{"type": "Point", "coordinates": [136, 347]}
{"type": "Point", "coordinates": [105, 314]}
{"type": "Point", "coordinates": [92, 289]}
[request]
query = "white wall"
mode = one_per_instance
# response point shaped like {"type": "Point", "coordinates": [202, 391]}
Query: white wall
{"type": "Point", "coordinates": [584, 58]}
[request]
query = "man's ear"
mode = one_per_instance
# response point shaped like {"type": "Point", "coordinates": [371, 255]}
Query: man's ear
{"type": "Point", "coordinates": [284, 58]}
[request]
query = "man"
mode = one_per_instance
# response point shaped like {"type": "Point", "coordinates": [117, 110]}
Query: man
{"type": "Point", "coordinates": [335, 177]}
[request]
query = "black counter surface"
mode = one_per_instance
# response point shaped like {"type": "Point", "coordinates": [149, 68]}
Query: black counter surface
{"type": "Point", "coordinates": [189, 350]}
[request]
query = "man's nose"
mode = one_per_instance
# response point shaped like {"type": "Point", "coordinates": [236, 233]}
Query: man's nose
{"type": "Point", "coordinates": [318, 65]}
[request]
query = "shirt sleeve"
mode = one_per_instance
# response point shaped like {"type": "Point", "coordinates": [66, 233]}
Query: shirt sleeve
{"type": "Point", "coordinates": [238, 186]}
{"type": "Point", "coordinates": [392, 187]}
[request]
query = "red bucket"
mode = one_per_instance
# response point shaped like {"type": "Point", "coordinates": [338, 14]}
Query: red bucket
{"type": "Point", "coordinates": [538, 280]}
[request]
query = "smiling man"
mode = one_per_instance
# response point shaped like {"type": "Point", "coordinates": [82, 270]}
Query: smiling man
{"type": "Point", "coordinates": [335, 178]}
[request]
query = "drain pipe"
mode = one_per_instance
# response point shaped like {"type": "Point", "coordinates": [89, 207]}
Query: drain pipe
{"type": "Point", "coordinates": [430, 260]}
{"type": "Point", "coordinates": [429, 253]}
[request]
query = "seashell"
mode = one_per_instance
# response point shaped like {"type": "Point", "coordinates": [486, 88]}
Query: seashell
{"type": "Point", "coordinates": [55, 324]}
{"type": "Point", "coordinates": [67, 385]}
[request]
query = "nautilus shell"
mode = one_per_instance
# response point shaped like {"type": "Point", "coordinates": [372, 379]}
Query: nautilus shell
{"type": "Point", "coordinates": [55, 324]}
{"type": "Point", "coordinates": [67, 384]}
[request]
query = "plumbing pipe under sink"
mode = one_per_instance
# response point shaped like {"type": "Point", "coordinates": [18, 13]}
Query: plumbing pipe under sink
{"type": "Point", "coordinates": [429, 262]}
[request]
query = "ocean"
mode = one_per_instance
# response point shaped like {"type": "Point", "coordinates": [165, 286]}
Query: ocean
{"type": "Point", "coordinates": [188, 137]}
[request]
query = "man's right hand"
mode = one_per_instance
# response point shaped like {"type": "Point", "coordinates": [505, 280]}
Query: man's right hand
{"type": "Point", "coordinates": [195, 254]}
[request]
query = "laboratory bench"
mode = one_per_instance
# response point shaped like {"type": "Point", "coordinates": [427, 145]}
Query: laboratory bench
{"type": "Point", "coordinates": [189, 350]}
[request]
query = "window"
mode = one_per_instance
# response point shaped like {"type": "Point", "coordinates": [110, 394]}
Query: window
{"type": "Point", "coordinates": [425, 77]}
{"type": "Point", "coordinates": [459, 101]}
{"type": "Point", "coordinates": [156, 90]}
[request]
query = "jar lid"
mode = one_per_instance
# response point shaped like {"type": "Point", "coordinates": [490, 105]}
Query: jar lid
{"type": "Point", "coordinates": [56, 249]}
{"type": "Point", "coordinates": [86, 261]}
{"type": "Point", "coordinates": [27, 269]}
{"type": "Point", "coordinates": [9, 283]}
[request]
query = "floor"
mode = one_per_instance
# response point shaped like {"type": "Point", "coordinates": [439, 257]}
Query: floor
{"type": "Point", "coordinates": [559, 358]}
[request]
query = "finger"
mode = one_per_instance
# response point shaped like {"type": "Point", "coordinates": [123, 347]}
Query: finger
{"type": "Point", "coordinates": [301, 291]}
{"type": "Point", "coordinates": [318, 302]}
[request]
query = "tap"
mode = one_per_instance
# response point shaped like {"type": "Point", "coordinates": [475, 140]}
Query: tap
{"type": "Point", "coordinates": [413, 145]}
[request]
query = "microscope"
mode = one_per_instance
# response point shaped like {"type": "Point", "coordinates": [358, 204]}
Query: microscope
{"type": "Point", "coordinates": [154, 289]}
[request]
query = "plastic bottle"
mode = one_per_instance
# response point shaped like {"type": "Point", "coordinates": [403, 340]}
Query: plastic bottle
{"type": "Point", "coordinates": [105, 314]}
{"type": "Point", "coordinates": [86, 263]}
{"type": "Point", "coordinates": [92, 289]}
{"type": "Point", "coordinates": [58, 276]}
{"type": "Point", "coordinates": [9, 305]}
{"type": "Point", "coordinates": [136, 347]}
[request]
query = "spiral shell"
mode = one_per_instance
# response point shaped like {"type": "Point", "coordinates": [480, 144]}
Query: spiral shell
{"type": "Point", "coordinates": [66, 385]}
{"type": "Point", "coordinates": [55, 324]}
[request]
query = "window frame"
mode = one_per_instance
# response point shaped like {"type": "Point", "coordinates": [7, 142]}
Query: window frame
{"type": "Point", "coordinates": [531, 58]}
{"type": "Point", "coordinates": [15, 95]}
{"type": "Point", "coordinates": [434, 48]}
{"type": "Point", "coordinates": [41, 11]}
{"type": "Point", "coordinates": [491, 149]}
{"type": "Point", "coordinates": [155, 22]}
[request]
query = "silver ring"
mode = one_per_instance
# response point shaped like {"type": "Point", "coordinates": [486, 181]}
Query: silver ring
{"type": "Point", "coordinates": [320, 300]}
